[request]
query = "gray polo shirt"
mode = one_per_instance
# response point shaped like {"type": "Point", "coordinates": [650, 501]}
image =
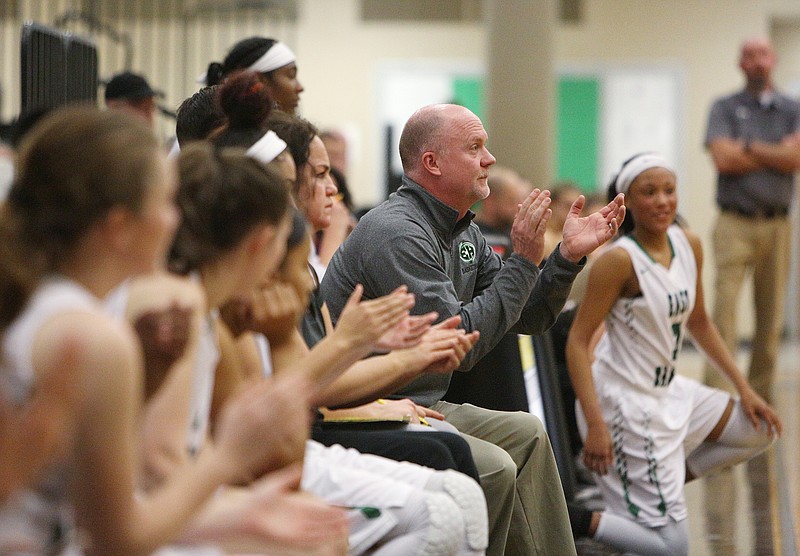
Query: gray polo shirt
{"type": "Point", "coordinates": [741, 116]}
{"type": "Point", "coordinates": [414, 239]}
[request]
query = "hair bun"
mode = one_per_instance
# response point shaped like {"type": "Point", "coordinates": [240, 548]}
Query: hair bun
{"type": "Point", "coordinates": [214, 73]}
{"type": "Point", "coordinates": [245, 100]}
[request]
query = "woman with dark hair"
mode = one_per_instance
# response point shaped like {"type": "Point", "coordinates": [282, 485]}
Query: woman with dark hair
{"type": "Point", "coordinates": [198, 116]}
{"type": "Point", "coordinates": [271, 59]}
{"type": "Point", "coordinates": [314, 189]}
{"type": "Point", "coordinates": [90, 207]}
{"type": "Point", "coordinates": [647, 430]}
{"type": "Point", "coordinates": [246, 105]}
{"type": "Point", "coordinates": [235, 222]}
{"type": "Point", "coordinates": [345, 475]}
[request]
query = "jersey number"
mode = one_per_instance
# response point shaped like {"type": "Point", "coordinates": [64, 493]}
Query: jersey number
{"type": "Point", "coordinates": [664, 375]}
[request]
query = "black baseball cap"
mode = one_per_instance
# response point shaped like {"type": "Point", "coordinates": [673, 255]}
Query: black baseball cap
{"type": "Point", "coordinates": [129, 85]}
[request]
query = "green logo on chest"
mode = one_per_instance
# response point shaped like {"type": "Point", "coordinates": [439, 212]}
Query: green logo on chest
{"type": "Point", "coordinates": [466, 251]}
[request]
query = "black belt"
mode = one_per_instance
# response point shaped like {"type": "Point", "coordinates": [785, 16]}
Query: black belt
{"type": "Point", "coordinates": [758, 213]}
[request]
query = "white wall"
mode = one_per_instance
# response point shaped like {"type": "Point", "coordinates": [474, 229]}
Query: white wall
{"type": "Point", "coordinates": [786, 36]}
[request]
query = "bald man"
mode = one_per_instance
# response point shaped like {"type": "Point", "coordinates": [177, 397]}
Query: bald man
{"type": "Point", "coordinates": [423, 236]}
{"type": "Point", "coordinates": [753, 137]}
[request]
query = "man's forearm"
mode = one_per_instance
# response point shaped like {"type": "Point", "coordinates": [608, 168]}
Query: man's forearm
{"type": "Point", "coordinates": [498, 308]}
{"type": "Point", "coordinates": [733, 157]}
{"type": "Point", "coordinates": [781, 157]}
{"type": "Point", "coordinates": [549, 295]}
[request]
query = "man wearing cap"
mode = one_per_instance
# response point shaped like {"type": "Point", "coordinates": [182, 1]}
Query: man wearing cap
{"type": "Point", "coordinates": [132, 93]}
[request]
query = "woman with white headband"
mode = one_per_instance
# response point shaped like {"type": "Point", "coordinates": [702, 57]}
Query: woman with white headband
{"type": "Point", "coordinates": [646, 429]}
{"type": "Point", "coordinates": [272, 59]}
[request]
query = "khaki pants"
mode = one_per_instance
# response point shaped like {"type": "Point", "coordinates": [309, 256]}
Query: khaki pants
{"type": "Point", "coordinates": [759, 246]}
{"type": "Point", "coordinates": [527, 510]}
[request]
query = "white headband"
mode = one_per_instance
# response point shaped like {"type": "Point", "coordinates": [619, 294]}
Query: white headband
{"type": "Point", "coordinates": [174, 151]}
{"type": "Point", "coordinates": [277, 56]}
{"type": "Point", "coordinates": [639, 164]}
{"type": "Point", "coordinates": [267, 148]}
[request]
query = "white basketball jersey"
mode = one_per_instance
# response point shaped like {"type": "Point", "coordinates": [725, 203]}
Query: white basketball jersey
{"type": "Point", "coordinates": [646, 411]}
{"type": "Point", "coordinates": [644, 334]}
{"type": "Point", "coordinates": [38, 520]}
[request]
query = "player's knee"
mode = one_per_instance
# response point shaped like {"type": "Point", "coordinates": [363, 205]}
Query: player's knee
{"type": "Point", "coordinates": [761, 440]}
{"type": "Point", "coordinates": [740, 432]}
{"type": "Point", "coordinates": [676, 538]}
{"type": "Point", "coordinates": [469, 498]}
{"type": "Point", "coordinates": [444, 533]}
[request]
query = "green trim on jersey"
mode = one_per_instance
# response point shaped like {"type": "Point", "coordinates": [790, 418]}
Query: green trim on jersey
{"type": "Point", "coordinates": [649, 256]}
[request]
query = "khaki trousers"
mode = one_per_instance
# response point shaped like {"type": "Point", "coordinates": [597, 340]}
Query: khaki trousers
{"type": "Point", "coordinates": [761, 247]}
{"type": "Point", "coordinates": [527, 510]}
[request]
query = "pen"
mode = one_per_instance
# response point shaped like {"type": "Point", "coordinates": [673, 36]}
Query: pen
{"type": "Point", "coordinates": [368, 511]}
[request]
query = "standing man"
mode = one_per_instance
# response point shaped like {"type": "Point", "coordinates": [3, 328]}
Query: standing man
{"type": "Point", "coordinates": [754, 140]}
{"type": "Point", "coordinates": [423, 236]}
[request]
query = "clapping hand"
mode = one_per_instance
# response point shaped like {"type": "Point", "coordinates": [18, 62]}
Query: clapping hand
{"type": "Point", "coordinates": [441, 349]}
{"type": "Point", "coordinates": [364, 323]}
{"type": "Point", "coordinates": [407, 333]}
{"type": "Point", "coordinates": [582, 235]}
{"type": "Point", "coordinates": [530, 223]}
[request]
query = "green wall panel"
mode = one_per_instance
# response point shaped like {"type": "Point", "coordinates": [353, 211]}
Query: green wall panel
{"type": "Point", "coordinates": [468, 92]}
{"type": "Point", "coordinates": [578, 130]}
